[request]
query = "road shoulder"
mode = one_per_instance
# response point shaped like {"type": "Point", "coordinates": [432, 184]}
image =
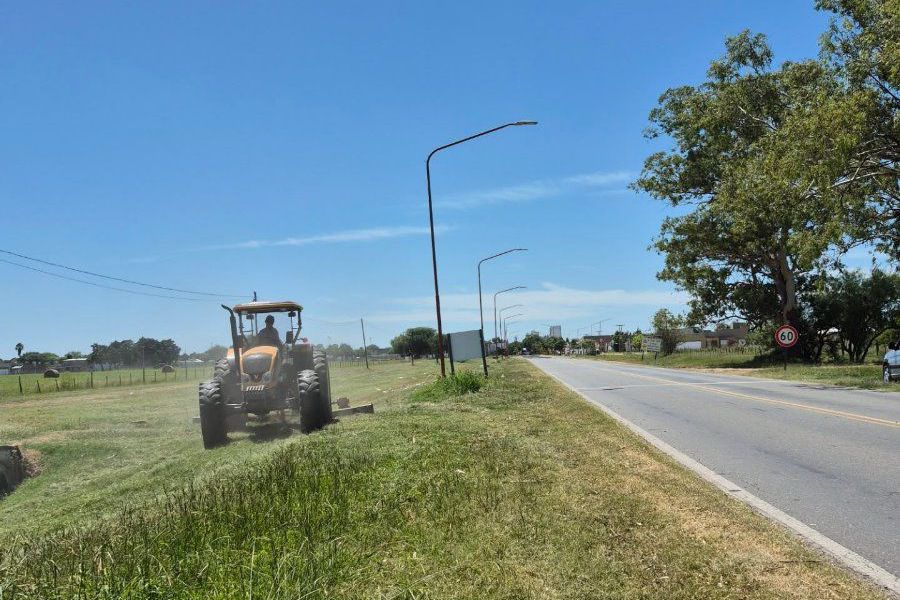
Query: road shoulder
{"type": "Point", "coordinates": [808, 535]}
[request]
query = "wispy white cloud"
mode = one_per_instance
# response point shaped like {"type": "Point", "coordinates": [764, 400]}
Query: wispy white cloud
{"type": "Point", "coordinates": [540, 189]}
{"type": "Point", "coordinates": [548, 302]}
{"type": "Point", "coordinates": [372, 234]}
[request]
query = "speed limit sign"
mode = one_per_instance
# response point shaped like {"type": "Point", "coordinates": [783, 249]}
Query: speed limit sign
{"type": "Point", "coordinates": [786, 336]}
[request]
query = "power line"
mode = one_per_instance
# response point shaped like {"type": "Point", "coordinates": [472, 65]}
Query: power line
{"type": "Point", "coordinates": [100, 285]}
{"type": "Point", "coordinates": [129, 281]}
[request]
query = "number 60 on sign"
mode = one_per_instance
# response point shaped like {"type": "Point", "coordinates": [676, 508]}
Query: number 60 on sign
{"type": "Point", "coordinates": [786, 336]}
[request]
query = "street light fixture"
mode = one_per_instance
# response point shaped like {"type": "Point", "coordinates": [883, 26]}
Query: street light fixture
{"type": "Point", "coordinates": [504, 323]}
{"type": "Point", "coordinates": [500, 312]}
{"type": "Point", "coordinates": [518, 287]}
{"type": "Point", "coordinates": [437, 295]}
{"type": "Point", "coordinates": [480, 310]}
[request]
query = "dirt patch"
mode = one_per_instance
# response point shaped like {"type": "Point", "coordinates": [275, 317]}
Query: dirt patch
{"type": "Point", "coordinates": [32, 461]}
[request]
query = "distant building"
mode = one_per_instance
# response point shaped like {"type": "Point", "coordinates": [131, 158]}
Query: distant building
{"type": "Point", "coordinates": [190, 362]}
{"type": "Point", "coordinates": [602, 343]}
{"type": "Point", "coordinates": [74, 364]}
{"type": "Point", "coordinates": [556, 331]}
{"type": "Point", "coordinates": [725, 336]}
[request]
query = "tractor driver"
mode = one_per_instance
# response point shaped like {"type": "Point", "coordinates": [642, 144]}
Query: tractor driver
{"type": "Point", "coordinates": [268, 335]}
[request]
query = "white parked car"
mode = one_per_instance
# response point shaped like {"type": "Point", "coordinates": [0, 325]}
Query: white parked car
{"type": "Point", "coordinates": [891, 365]}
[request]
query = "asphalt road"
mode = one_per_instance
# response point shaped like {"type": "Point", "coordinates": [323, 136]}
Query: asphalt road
{"type": "Point", "coordinates": [829, 457]}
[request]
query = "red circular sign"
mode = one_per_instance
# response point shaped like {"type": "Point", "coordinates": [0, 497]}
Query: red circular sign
{"type": "Point", "coordinates": [786, 336]}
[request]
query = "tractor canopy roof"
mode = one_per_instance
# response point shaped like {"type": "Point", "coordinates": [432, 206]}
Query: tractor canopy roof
{"type": "Point", "coordinates": [267, 307]}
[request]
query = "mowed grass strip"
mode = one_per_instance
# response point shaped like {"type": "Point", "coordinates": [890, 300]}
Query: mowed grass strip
{"type": "Point", "coordinates": [519, 490]}
{"type": "Point", "coordinates": [100, 450]}
{"type": "Point", "coordinates": [865, 376]}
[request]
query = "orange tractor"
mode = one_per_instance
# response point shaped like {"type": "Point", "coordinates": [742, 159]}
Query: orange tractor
{"type": "Point", "coordinates": [260, 375]}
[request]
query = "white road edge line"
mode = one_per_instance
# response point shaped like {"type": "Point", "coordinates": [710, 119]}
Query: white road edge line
{"type": "Point", "coordinates": [845, 556]}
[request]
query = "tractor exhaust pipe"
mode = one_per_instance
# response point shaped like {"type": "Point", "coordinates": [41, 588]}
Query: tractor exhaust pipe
{"type": "Point", "coordinates": [236, 344]}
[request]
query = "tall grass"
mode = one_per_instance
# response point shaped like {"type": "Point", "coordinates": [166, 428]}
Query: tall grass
{"type": "Point", "coordinates": [458, 384]}
{"type": "Point", "coordinates": [277, 526]}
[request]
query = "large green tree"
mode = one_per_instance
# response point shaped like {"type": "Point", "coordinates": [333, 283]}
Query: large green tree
{"type": "Point", "coordinates": [858, 308]}
{"type": "Point", "coordinates": [415, 341]}
{"type": "Point", "coordinates": [745, 161]}
{"type": "Point", "coordinates": [863, 47]}
{"type": "Point", "coordinates": [667, 327]}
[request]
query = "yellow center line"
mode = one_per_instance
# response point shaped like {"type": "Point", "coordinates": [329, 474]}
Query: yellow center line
{"type": "Point", "coordinates": [818, 409]}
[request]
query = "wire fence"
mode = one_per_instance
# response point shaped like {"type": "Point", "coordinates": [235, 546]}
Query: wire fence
{"type": "Point", "coordinates": [35, 383]}
{"type": "Point", "coordinates": [31, 384]}
{"type": "Point", "coordinates": [752, 350]}
{"type": "Point", "coordinates": [360, 361]}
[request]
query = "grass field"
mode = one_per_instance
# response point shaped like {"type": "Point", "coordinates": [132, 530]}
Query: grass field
{"type": "Point", "coordinates": [98, 448]}
{"type": "Point", "coordinates": [520, 490]}
{"type": "Point", "coordinates": [866, 376]}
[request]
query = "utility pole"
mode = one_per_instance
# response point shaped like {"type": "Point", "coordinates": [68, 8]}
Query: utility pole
{"type": "Point", "coordinates": [365, 348]}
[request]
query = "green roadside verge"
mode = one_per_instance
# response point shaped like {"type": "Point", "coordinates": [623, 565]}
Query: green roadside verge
{"type": "Point", "coordinates": [865, 376]}
{"type": "Point", "coordinates": [518, 490]}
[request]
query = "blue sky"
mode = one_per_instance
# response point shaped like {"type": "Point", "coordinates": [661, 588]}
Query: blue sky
{"type": "Point", "coordinates": [279, 147]}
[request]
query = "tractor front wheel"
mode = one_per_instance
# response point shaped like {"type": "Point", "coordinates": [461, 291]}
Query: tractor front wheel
{"type": "Point", "coordinates": [213, 426]}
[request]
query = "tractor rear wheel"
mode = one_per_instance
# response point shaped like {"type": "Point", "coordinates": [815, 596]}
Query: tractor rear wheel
{"type": "Point", "coordinates": [221, 369]}
{"type": "Point", "coordinates": [212, 414]}
{"type": "Point", "coordinates": [312, 413]}
{"type": "Point", "coordinates": [321, 366]}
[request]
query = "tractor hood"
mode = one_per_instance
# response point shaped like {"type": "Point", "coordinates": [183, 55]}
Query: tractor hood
{"type": "Point", "coordinates": [256, 360]}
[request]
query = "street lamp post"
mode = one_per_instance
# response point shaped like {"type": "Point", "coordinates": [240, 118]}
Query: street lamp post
{"type": "Point", "coordinates": [518, 287]}
{"type": "Point", "coordinates": [500, 314]}
{"type": "Point", "coordinates": [504, 324]}
{"type": "Point", "coordinates": [480, 310]}
{"type": "Point", "coordinates": [437, 295]}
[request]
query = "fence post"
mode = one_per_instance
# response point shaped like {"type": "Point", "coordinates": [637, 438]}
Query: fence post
{"type": "Point", "coordinates": [39, 386]}
{"type": "Point", "coordinates": [21, 391]}
{"type": "Point", "coordinates": [92, 380]}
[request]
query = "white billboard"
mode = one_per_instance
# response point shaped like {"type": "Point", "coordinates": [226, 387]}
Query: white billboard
{"type": "Point", "coordinates": [465, 345]}
{"type": "Point", "coordinates": [652, 344]}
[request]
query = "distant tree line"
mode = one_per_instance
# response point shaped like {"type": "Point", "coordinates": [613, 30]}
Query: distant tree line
{"type": "Point", "coordinates": [147, 352]}
{"type": "Point", "coordinates": [212, 354]}
{"type": "Point", "coordinates": [844, 315]}
{"type": "Point", "coordinates": [415, 342]}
